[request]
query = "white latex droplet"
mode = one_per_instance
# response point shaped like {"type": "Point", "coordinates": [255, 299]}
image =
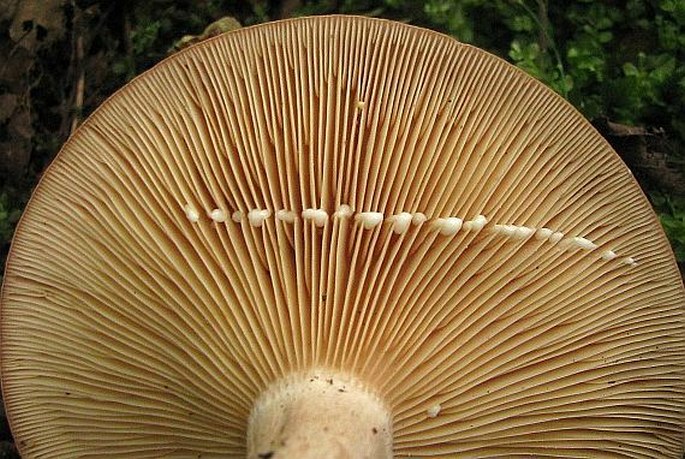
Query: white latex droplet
{"type": "Point", "coordinates": [317, 216]}
{"type": "Point", "coordinates": [369, 219]}
{"type": "Point", "coordinates": [401, 222]}
{"type": "Point", "coordinates": [522, 232]}
{"type": "Point", "coordinates": [556, 237]}
{"type": "Point", "coordinates": [417, 218]}
{"type": "Point", "coordinates": [504, 230]}
{"type": "Point", "coordinates": [449, 226]}
{"type": "Point", "coordinates": [192, 213]}
{"type": "Point", "coordinates": [256, 217]}
{"type": "Point", "coordinates": [476, 224]}
{"type": "Point", "coordinates": [565, 243]}
{"type": "Point", "coordinates": [543, 233]}
{"type": "Point", "coordinates": [630, 261]}
{"type": "Point", "coordinates": [218, 215]}
{"type": "Point", "coordinates": [583, 243]}
{"type": "Point", "coordinates": [609, 255]}
{"type": "Point", "coordinates": [344, 211]}
{"type": "Point", "coordinates": [434, 410]}
{"type": "Point", "coordinates": [287, 216]}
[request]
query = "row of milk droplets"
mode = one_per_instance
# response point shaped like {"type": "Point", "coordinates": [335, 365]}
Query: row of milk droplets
{"type": "Point", "coordinates": [447, 226]}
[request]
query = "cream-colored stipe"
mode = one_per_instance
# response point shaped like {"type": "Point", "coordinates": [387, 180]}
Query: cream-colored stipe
{"type": "Point", "coordinates": [337, 417]}
{"type": "Point", "coordinates": [131, 330]}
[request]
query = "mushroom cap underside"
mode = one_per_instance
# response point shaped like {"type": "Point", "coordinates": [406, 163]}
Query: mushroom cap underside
{"type": "Point", "coordinates": [350, 195]}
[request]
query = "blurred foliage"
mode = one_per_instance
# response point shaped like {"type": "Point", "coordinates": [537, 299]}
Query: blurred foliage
{"type": "Point", "coordinates": [672, 215]}
{"type": "Point", "coordinates": [9, 216]}
{"type": "Point", "coordinates": [620, 60]}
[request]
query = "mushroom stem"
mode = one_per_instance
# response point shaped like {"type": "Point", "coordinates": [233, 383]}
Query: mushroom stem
{"type": "Point", "coordinates": [319, 416]}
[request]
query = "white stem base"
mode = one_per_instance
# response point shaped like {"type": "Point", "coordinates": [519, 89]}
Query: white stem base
{"type": "Point", "coordinates": [319, 416]}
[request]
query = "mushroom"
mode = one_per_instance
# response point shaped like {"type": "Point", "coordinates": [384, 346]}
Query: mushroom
{"type": "Point", "coordinates": [341, 237]}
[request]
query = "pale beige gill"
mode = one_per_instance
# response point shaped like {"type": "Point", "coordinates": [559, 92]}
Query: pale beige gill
{"type": "Point", "coordinates": [341, 237]}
